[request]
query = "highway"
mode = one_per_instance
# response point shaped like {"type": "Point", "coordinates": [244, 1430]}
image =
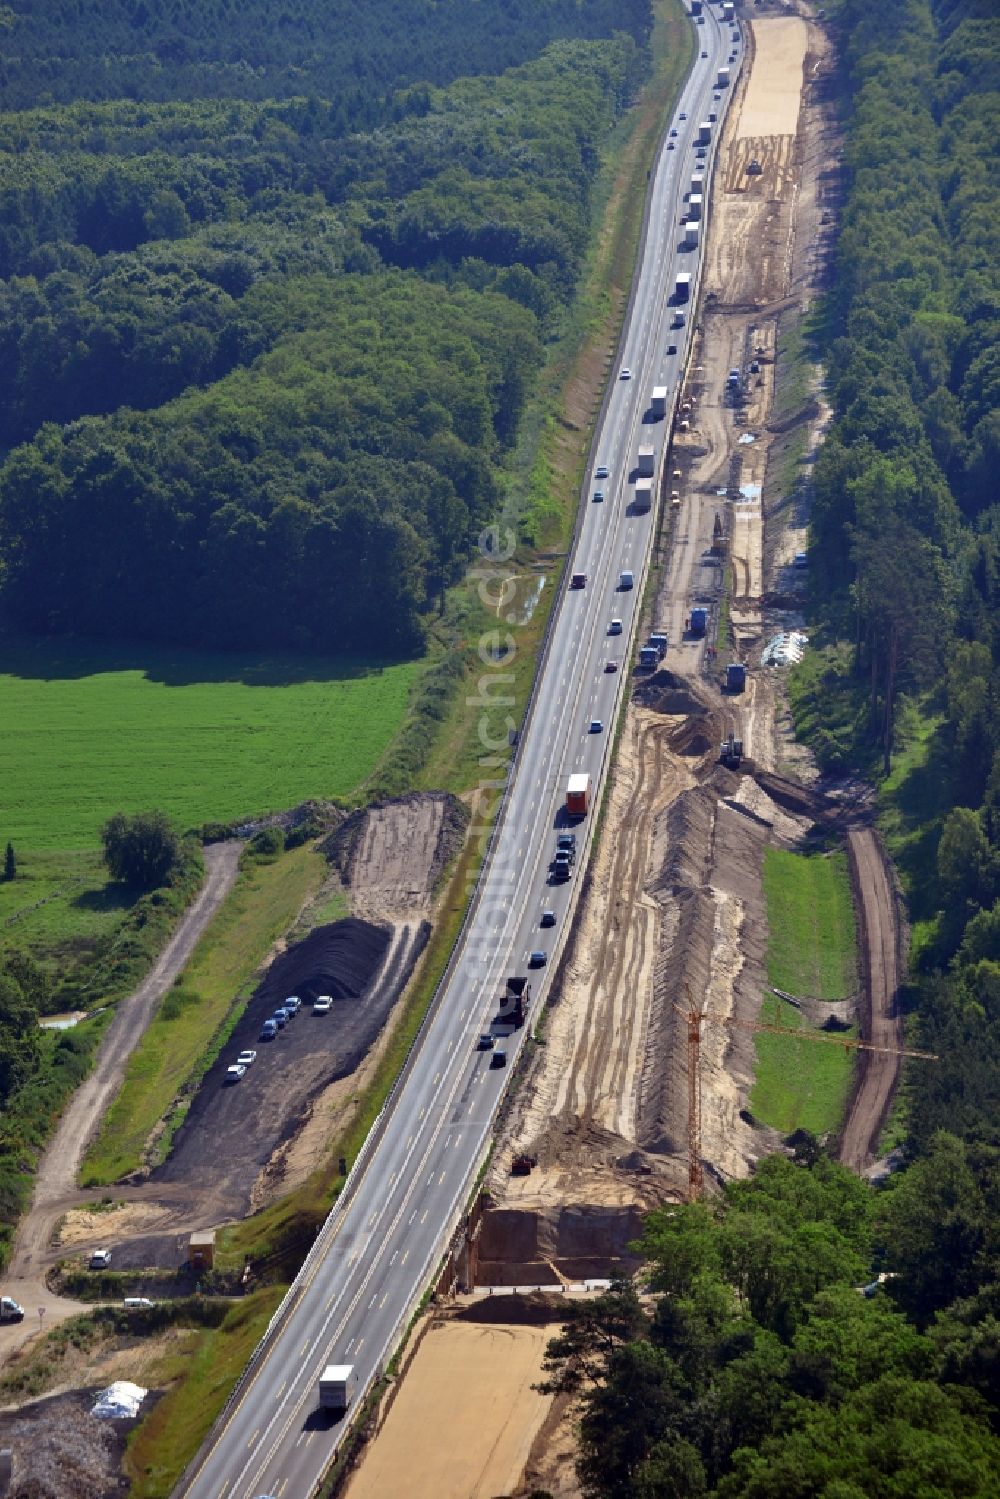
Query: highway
{"type": "Point", "coordinates": [384, 1240]}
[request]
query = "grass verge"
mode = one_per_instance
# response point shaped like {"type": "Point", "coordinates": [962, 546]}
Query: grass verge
{"type": "Point", "coordinates": [812, 953]}
{"type": "Point", "coordinates": [200, 1379]}
{"type": "Point", "coordinates": [190, 1026]}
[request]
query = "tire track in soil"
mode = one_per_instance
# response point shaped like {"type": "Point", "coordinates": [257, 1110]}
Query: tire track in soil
{"type": "Point", "coordinates": [880, 941]}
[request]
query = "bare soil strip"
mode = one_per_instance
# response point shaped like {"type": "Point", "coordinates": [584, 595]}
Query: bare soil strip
{"type": "Point", "coordinates": [882, 1022]}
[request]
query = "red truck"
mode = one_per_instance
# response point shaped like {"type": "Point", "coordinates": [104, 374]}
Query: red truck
{"type": "Point", "coordinates": [578, 794]}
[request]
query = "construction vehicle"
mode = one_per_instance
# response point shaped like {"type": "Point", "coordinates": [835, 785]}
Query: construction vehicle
{"type": "Point", "coordinates": [649, 657]}
{"type": "Point", "coordinates": [659, 639]}
{"type": "Point", "coordinates": [736, 677]}
{"type": "Point", "coordinates": [699, 622]}
{"type": "Point", "coordinates": [523, 1165]}
{"type": "Point", "coordinates": [754, 168]}
{"type": "Point", "coordinates": [578, 794]}
{"type": "Point", "coordinates": [337, 1386]}
{"type": "Point", "coordinates": [731, 751]}
{"type": "Point", "coordinates": [514, 1002]}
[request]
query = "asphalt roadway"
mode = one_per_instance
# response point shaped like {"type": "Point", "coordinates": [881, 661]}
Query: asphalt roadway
{"type": "Point", "coordinates": [383, 1242]}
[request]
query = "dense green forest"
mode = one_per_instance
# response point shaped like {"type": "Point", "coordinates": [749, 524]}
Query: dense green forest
{"type": "Point", "coordinates": [756, 1369]}
{"type": "Point", "coordinates": [250, 355]}
{"type": "Point", "coordinates": [906, 524]}
{"type": "Point", "coordinates": [354, 56]}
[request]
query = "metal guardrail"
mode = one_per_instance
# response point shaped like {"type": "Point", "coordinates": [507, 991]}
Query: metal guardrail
{"type": "Point", "coordinates": [360, 1163]}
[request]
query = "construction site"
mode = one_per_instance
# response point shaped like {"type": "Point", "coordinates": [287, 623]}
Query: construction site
{"type": "Point", "coordinates": [636, 1089]}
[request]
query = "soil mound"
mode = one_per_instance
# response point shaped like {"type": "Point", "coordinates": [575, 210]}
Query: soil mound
{"type": "Point", "coordinates": [338, 959]}
{"type": "Point", "coordinates": [666, 693]}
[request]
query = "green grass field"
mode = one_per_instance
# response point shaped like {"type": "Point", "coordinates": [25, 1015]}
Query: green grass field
{"type": "Point", "coordinates": [812, 953]}
{"type": "Point", "coordinates": [91, 728]}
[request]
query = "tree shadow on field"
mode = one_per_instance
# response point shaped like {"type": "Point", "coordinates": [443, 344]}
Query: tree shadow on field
{"type": "Point", "coordinates": [37, 658]}
{"type": "Point", "coordinates": [102, 900]}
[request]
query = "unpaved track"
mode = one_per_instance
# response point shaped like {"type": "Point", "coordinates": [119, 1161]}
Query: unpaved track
{"type": "Point", "coordinates": [877, 1074]}
{"type": "Point", "coordinates": [55, 1180]}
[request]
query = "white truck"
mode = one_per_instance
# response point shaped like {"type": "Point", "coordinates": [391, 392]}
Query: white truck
{"type": "Point", "coordinates": [338, 1384]}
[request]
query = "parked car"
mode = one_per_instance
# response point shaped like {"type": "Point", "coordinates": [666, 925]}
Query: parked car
{"type": "Point", "coordinates": [268, 1030]}
{"type": "Point", "coordinates": [280, 1017]}
{"type": "Point", "coordinates": [246, 1058]}
{"type": "Point", "coordinates": [538, 959]}
{"type": "Point", "coordinates": [234, 1073]}
{"type": "Point", "coordinates": [100, 1259]}
{"type": "Point", "coordinates": [322, 1005]}
{"type": "Point", "coordinates": [137, 1303]}
{"type": "Point", "coordinates": [11, 1310]}
{"type": "Point", "coordinates": [293, 1005]}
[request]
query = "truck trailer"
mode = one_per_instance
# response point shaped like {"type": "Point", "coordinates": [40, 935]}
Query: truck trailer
{"type": "Point", "coordinates": [704, 132]}
{"type": "Point", "coordinates": [646, 459]}
{"type": "Point", "coordinates": [338, 1385]}
{"type": "Point", "coordinates": [691, 234]}
{"type": "Point", "coordinates": [658, 401]}
{"type": "Point", "coordinates": [578, 794]}
{"type": "Point", "coordinates": [722, 78]}
{"type": "Point", "coordinates": [643, 495]}
{"type": "Point", "coordinates": [727, 10]}
{"type": "Point", "coordinates": [514, 1001]}
{"type": "Point", "coordinates": [682, 287]}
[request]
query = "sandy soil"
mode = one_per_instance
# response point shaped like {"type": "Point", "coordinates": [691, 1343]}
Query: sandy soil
{"type": "Point", "coordinates": [877, 1074]}
{"type": "Point", "coordinates": [473, 1382]}
{"type": "Point", "coordinates": [771, 106]}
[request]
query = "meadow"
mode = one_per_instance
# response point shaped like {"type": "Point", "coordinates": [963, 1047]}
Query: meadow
{"type": "Point", "coordinates": [811, 953]}
{"type": "Point", "coordinates": [90, 729]}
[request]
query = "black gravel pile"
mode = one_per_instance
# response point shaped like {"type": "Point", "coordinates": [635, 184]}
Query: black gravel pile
{"type": "Point", "coordinates": [338, 959]}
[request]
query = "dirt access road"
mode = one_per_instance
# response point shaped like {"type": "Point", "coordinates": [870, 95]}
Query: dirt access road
{"type": "Point", "coordinates": [55, 1181]}
{"type": "Point", "coordinates": [882, 1023]}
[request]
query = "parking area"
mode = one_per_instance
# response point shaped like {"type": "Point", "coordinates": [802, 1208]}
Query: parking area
{"type": "Point", "coordinates": [239, 1126]}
